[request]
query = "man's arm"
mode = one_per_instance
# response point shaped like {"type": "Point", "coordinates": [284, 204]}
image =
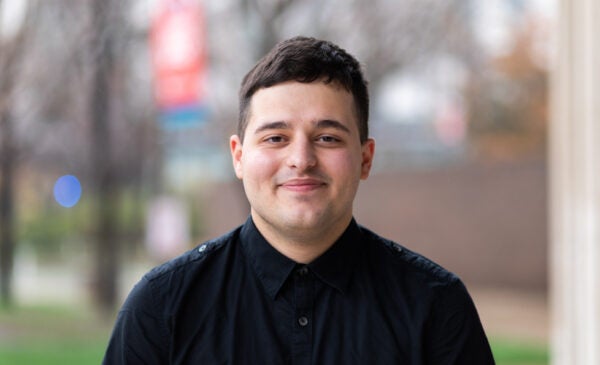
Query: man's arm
{"type": "Point", "coordinates": [454, 333]}
{"type": "Point", "coordinates": [140, 334]}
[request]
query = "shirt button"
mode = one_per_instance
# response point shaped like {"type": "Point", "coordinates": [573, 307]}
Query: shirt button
{"type": "Point", "coordinates": [303, 321]}
{"type": "Point", "coordinates": [303, 271]}
{"type": "Point", "coordinates": [202, 248]}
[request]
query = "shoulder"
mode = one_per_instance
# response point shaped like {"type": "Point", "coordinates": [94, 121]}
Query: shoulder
{"type": "Point", "coordinates": [436, 297]}
{"type": "Point", "coordinates": [403, 262]}
{"type": "Point", "coordinates": [166, 283]}
{"type": "Point", "coordinates": [417, 279]}
{"type": "Point", "coordinates": [193, 258]}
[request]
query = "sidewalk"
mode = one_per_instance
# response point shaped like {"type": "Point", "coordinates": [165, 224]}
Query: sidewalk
{"type": "Point", "coordinates": [513, 314]}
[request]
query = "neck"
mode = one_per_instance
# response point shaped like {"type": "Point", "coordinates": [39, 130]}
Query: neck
{"type": "Point", "coordinates": [302, 246]}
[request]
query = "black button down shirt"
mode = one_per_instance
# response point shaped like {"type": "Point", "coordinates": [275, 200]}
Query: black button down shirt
{"type": "Point", "coordinates": [236, 300]}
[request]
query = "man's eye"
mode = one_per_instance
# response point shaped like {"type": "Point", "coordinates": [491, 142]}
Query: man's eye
{"type": "Point", "coordinates": [328, 139]}
{"type": "Point", "coordinates": [274, 139]}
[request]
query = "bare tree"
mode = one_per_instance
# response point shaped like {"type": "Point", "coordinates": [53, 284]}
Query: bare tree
{"type": "Point", "coordinates": [102, 176]}
{"type": "Point", "coordinates": [121, 135]}
{"type": "Point", "coordinates": [387, 36]}
{"type": "Point", "coordinates": [12, 49]}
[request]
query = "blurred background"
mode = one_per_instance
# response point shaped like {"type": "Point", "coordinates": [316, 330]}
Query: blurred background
{"type": "Point", "coordinates": [114, 126]}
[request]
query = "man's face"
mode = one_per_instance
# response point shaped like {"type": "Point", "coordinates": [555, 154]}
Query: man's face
{"type": "Point", "coordinates": [301, 159]}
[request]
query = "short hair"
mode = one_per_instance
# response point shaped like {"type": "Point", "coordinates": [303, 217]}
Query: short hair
{"type": "Point", "coordinates": [306, 60]}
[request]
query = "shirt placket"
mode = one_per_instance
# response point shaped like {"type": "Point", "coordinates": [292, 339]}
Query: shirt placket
{"type": "Point", "coordinates": [303, 317]}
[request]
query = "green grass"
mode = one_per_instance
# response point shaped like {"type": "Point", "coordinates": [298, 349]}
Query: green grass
{"type": "Point", "coordinates": [53, 335]}
{"type": "Point", "coordinates": [53, 353]}
{"type": "Point", "coordinates": [513, 352]}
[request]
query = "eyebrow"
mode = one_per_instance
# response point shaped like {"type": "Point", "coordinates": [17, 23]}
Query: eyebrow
{"type": "Point", "coordinates": [328, 123]}
{"type": "Point", "coordinates": [272, 125]}
{"type": "Point", "coordinates": [321, 124]}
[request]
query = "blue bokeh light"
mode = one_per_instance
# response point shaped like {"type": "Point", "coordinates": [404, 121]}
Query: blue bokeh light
{"type": "Point", "coordinates": [67, 191]}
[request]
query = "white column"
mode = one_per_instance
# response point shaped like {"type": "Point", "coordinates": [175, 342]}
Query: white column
{"type": "Point", "coordinates": [575, 186]}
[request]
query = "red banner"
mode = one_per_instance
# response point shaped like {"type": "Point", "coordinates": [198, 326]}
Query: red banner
{"type": "Point", "coordinates": [178, 53]}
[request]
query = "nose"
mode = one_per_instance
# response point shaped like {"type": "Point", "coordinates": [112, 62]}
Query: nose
{"type": "Point", "coordinates": [301, 155]}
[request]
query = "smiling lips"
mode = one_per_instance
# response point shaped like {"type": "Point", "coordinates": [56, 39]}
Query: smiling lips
{"type": "Point", "coordinates": [302, 185]}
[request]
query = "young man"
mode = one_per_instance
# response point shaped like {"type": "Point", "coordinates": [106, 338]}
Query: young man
{"type": "Point", "coordinates": [300, 282]}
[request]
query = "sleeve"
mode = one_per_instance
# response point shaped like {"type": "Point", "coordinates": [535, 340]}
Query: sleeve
{"type": "Point", "coordinates": [140, 335]}
{"type": "Point", "coordinates": [454, 334]}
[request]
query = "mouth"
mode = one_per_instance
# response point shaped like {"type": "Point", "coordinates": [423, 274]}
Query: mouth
{"type": "Point", "coordinates": [302, 184]}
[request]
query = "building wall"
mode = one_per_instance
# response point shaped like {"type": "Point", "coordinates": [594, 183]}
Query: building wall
{"type": "Point", "coordinates": [487, 223]}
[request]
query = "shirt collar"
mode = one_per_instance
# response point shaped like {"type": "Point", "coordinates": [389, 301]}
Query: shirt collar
{"type": "Point", "coordinates": [271, 267]}
{"type": "Point", "coordinates": [334, 266]}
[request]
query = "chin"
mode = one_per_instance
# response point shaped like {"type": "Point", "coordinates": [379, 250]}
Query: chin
{"type": "Point", "coordinates": [304, 221]}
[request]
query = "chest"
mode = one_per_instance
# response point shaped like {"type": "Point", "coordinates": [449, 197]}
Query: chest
{"type": "Point", "coordinates": [308, 322]}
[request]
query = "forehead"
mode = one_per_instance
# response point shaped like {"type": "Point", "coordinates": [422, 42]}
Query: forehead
{"type": "Point", "coordinates": [297, 102]}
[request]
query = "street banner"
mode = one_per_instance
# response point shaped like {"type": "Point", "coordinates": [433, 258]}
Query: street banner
{"type": "Point", "coordinates": [177, 42]}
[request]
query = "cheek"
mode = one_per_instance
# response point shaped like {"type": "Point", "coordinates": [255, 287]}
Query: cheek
{"type": "Point", "coordinates": [345, 165]}
{"type": "Point", "coordinates": [259, 166]}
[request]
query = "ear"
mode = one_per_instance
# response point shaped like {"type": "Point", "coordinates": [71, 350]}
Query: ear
{"type": "Point", "coordinates": [368, 151]}
{"type": "Point", "coordinates": [235, 145]}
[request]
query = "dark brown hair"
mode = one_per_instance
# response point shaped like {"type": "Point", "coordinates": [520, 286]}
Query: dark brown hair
{"type": "Point", "coordinates": [306, 60]}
